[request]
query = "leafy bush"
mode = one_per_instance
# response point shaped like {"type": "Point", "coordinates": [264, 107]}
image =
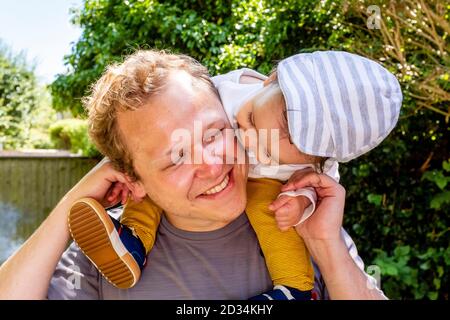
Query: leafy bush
{"type": "Point", "coordinates": [25, 110]}
{"type": "Point", "coordinates": [71, 134]}
{"type": "Point", "coordinates": [398, 204]}
{"type": "Point", "coordinates": [398, 201]}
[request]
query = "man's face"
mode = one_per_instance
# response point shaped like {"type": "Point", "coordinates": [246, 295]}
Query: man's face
{"type": "Point", "coordinates": [200, 195]}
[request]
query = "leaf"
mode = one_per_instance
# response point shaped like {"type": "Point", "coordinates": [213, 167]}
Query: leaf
{"type": "Point", "coordinates": [438, 200]}
{"type": "Point", "coordinates": [425, 265]}
{"type": "Point", "coordinates": [437, 177]}
{"type": "Point", "coordinates": [446, 165]}
{"type": "Point", "coordinates": [433, 295]}
{"type": "Point", "coordinates": [427, 254]}
{"type": "Point", "coordinates": [402, 251]}
{"type": "Point", "coordinates": [447, 256]}
{"type": "Point", "coordinates": [437, 283]}
{"type": "Point", "coordinates": [390, 270]}
{"type": "Point", "coordinates": [440, 271]}
{"type": "Point", "coordinates": [375, 199]}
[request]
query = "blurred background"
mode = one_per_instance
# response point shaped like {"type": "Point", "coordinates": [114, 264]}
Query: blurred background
{"type": "Point", "coordinates": [398, 195]}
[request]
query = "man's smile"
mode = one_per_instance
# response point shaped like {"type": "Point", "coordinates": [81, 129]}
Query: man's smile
{"type": "Point", "coordinates": [220, 189]}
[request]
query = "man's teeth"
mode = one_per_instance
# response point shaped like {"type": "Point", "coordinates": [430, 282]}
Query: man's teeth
{"type": "Point", "coordinates": [219, 187]}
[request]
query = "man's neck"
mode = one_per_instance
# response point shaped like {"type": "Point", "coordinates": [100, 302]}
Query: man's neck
{"type": "Point", "coordinates": [194, 225]}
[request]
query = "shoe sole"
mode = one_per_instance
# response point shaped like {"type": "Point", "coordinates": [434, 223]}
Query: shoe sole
{"type": "Point", "coordinates": [94, 232]}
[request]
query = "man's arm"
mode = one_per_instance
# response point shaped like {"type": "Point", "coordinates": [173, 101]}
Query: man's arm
{"type": "Point", "coordinates": [27, 273]}
{"type": "Point", "coordinates": [344, 280]}
{"type": "Point", "coordinates": [324, 240]}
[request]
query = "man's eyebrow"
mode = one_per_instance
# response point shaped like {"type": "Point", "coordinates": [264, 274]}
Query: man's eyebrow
{"type": "Point", "coordinates": [215, 124]}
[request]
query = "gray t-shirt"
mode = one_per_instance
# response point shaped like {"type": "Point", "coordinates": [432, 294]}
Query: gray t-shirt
{"type": "Point", "coordinates": [221, 264]}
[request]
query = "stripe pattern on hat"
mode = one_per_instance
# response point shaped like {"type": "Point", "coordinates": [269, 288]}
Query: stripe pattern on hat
{"type": "Point", "coordinates": [338, 104]}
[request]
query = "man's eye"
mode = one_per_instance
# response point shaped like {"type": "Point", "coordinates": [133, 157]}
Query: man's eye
{"type": "Point", "coordinates": [177, 159]}
{"type": "Point", "coordinates": [180, 157]}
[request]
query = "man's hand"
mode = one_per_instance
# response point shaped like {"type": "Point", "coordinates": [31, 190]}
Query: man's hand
{"type": "Point", "coordinates": [326, 222]}
{"type": "Point", "coordinates": [289, 210]}
{"type": "Point", "coordinates": [105, 184]}
{"type": "Point", "coordinates": [322, 235]}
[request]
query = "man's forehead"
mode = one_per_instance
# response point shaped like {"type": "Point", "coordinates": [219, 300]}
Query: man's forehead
{"type": "Point", "coordinates": [152, 128]}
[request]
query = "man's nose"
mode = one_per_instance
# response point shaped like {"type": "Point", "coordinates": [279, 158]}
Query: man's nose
{"type": "Point", "coordinates": [211, 165]}
{"type": "Point", "coordinates": [209, 171]}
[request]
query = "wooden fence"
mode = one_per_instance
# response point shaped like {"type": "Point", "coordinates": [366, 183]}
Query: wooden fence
{"type": "Point", "coordinates": [31, 184]}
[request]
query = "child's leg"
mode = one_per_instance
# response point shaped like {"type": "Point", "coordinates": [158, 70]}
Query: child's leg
{"type": "Point", "coordinates": [118, 251]}
{"type": "Point", "coordinates": [286, 256]}
{"type": "Point", "coordinates": [143, 219]}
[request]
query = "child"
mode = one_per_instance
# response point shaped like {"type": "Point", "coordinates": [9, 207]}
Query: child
{"type": "Point", "coordinates": [327, 106]}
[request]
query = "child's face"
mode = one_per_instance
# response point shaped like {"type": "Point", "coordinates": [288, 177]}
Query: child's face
{"type": "Point", "coordinates": [267, 111]}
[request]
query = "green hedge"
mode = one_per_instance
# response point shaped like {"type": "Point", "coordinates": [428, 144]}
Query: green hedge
{"type": "Point", "coordinates": [71, 134]}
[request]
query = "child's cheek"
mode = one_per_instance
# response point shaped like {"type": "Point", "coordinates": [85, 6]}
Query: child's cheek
{"type": "Point", "coordinates": [242, 116]}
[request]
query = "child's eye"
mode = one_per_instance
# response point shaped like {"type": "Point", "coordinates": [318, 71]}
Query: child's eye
{"type": "Point", "coordinates": [250, 118]}
{"type": "Point", "coordinates": [217, 135]}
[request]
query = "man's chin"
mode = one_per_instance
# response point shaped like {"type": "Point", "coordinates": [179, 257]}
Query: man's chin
{"type": "Point", "coordinates": [232, 211]}
{"type": "Point", "coordinates": [228, 218]}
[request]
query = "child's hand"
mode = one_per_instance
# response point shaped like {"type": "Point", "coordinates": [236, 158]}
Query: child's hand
{"type": "Point", "coordinates": [118, 192]}
{"type": "Point", "coordinates": [292, 183]}
{"type": "Point", "coordinates": [289, 210]}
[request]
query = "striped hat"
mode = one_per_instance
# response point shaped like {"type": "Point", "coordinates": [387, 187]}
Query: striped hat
{"type": "Point", "coordinates": [339, 105]}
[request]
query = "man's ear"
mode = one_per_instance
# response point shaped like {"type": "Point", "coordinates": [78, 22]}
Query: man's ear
{"type": "Point", "coordinates": [136, 187]}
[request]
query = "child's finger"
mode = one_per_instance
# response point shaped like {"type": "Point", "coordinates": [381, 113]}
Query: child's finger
{"type": "Point", "coordinates": [118, 187]}
{"type": "Point", "coordinates": [284, 219]}
{"type": "Point", "coordinates": [279, 202]}
{"type": "Point", "coordinates": [124, 196]}
{"type": "Point", "coordinates": [114, 192]}
{"type": "Point", "coordinates": [281, 215]}
{"type": "Point", "coordinates": [283, 227]}
{"type": "Point", "coordinates": [283, 224]}
{"type": "Point", "coordinates": [295, 179]}
{"type": "Point", "coordinates": [284, 210]}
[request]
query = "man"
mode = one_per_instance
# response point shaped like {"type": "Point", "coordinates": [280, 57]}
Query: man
{"type": "Point", "coordinates": [205, 247]}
